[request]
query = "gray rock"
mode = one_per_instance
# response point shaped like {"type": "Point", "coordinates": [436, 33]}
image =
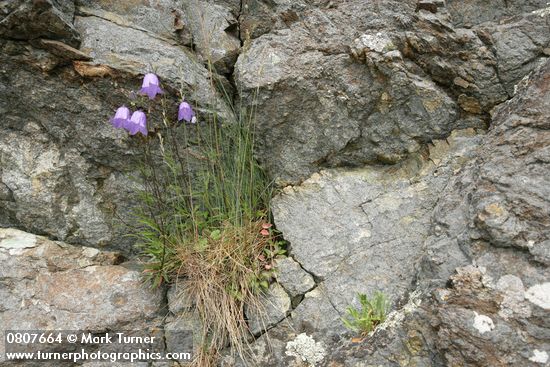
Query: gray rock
{"type": "Point", "coordinates": [430, 5]}
{"type": "Point", "coordinates": [164, 18]}
{"type": "Point", "coordinates": [345, 84]}
{"type": "Point", "coordinates": [455, 241]}
{"type": "Point", "coordinates": [53, 185]}
{"type": "Point", "coordinates": [317, 315]}
{"type": "Point", "coordinates": [473, 82]}
{"type": "Point", "coordinates": [267, 350]}
{"type": "Point", "coordinates": [54, 286]}
{"type": "Point", "coordinates": [512, 191]}
{"type": "Point", "coordinates": [492, 312]}
{"type": "Point", "coordinates": [139, 52]}
{"type": "Point", "coordinates": [183, 333]}
{"type": "Point", "coordinates": [518, 46]}
{"type": "Point", "coordinates": [178, 301]}
{"type": "Point", "coordinates": [308, 107]}
{"type": "Point", "coordinates": [364, 230]}
{"type": "Point", "coordinates": [484, 337]}
{"type": "Point", "coordinates": [473, 12]}
{"type": "Point", "coordinates": [27, 20]}
{"type": "Point", "coordinates": [455, 231]}
{"type": "Point", "coordinates": [513, 301]}
{"type": "Point", "coordinates": [64, 171]}
{"type": "Point", "coordinates": [295, 280]}
{"type": "Point", "coordinates": [360, 231]}
{"type": "Point", "coordinates": [275, 305]}
{"type": "Point", "coordinates": [215, 33]}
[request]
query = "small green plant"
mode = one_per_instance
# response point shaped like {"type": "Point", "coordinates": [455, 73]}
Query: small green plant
{"type": "Point", "coordinates": [372, 313]}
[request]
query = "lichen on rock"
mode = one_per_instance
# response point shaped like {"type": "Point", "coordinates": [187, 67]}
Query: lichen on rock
{"type": "Point", "coordinates": [306, 348]}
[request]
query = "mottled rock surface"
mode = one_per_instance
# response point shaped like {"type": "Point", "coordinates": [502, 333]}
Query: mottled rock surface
{"type": "Point", "coordinates": [360, 231]}
{"type": "Point", "coordinates": [363, 230]}
{"type": "Point", "coordinates": [275, 307]}
{"type": "Point", "coordinates": [215, 29]}
{"type": "Point", "coordinates": [29, 20]}
{"type": "Point", "coordinates": [47, 285]}
{"type": "Point", "coordinates": [469, 13]}
{"type": "Point", "coordinates": [416, 142]}
{"type": "Point", "coordinates": [458, 239]}
{"type": "Point", "coordinates": [356, 82]}
{"type": "Point", "coordinates": [293, 278]}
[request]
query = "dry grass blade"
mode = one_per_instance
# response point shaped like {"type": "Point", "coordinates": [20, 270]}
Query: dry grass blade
{"type": "Point", "coordinates": [218, 278]}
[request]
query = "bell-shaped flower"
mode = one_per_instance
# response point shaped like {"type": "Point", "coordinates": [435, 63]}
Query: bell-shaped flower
{"type": "Point", "coordinates": [122, 116]}
{"type": "Point", "coordinates": [185, 112]}
{"type": "Point", "coordinates": [150, 86]}
{"type": "Point", "coordinates": [138, 122]}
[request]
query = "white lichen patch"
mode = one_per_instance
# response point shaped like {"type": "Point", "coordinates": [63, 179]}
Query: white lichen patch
{"type": "Point", "coordinates": [513, 300]}
{"type": "Point", "coordinates": [375, 42]}
{"type": "Point", "coordinates": [483, 323]}
{"type": "Point", "coordinates": [539, 294]}
{"type": "Point", "coordinates": [306, 348]}
{"type": "Point", "coordinates": [16, 239]}
{"type": "Point", "coordinates": [543, 12]}
{"type": "Point", "coordinates": [539, 357]}
{"type": "Point", "coordinates": [396, 317]}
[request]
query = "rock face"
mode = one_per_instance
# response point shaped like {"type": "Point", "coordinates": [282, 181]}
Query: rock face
{"type": "Point", "coordinates": [360, 231]}
{"type": "Point", "coordinates": [50, 285]}
{"type": "Point", "coordinates": [414, 135]}
{"type": "Point", "coordinates": [363, 230]}
{"type": "Point", "coordinates": [458, 239]}
{"type": "Point", "coordinates": [355, 82]}
{"type": "Point", "coordinates": [473, 12]}
{"type": "Point", "coordinates": [30, 20]}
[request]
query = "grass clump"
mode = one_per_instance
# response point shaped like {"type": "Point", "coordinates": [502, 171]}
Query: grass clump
{"type": "Point", "coordinates": [205, 221]}
{"type": "Point", "coordinates": [373, 312]}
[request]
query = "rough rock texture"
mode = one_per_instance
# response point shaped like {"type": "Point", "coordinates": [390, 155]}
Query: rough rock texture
{"type": "Point", "coordinates": [182, 315]}
{"type": "Point", "coordinates": [417, 146]}
{"type": "Point", "coordinates": [215, 28]}
{"type": "Point", "coordinates": [363, 230]}
{"type": "Point", "coordinates": [29, 20]}
{"type": "Point", "coordinates": [473, 12]}
{"type": "Point", "coordinates": [47, 285]}
{"type": "Point", "coordinates": [360, 231]}
{"type": "Point", "coordinates": [355, 82]}
{"type": "Point", "coordinates": [293, 278]}
{"type": "Point", "coordinates": [276, 305]}
{"type": "Point", "coordinates": [340, 83]}
{"type": "Point", "coordinates": [458, 238]}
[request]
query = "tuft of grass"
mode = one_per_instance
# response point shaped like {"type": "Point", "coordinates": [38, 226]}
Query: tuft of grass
{"type": "Point", "coordinates": [205, 222]}
{"type": "Point", "coordinates": [222, 275]}
{"type": "Point", "coordinates": [373, 312]}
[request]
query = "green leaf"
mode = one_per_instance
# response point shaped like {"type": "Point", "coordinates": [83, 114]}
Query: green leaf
{"type": "Point", "coordinates": [216, 234]}
{"type": "Point", "coordinates": [202, 244]}
{"type": "Point", "coordinates": [372, 313]}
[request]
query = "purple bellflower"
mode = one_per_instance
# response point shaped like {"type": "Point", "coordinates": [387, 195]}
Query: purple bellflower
{"type": "Point", "coordinates": [138, 122]}
{"type": "Point", "coordinates": [150, 86]}
{"type": "Point", "coordinates": [185, 112]}
{"type": "Point", "coordinates": [122, 116]}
